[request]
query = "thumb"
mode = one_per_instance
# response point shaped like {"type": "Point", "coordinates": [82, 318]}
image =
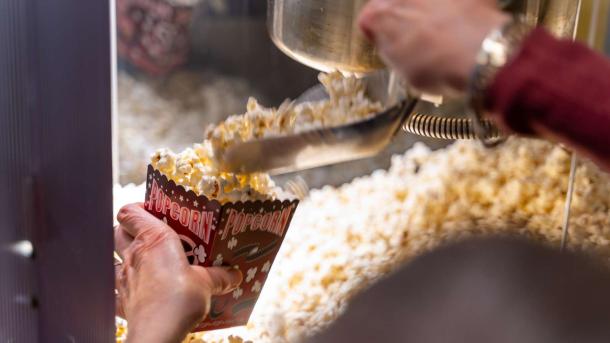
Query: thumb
{"type": "Point", "coordinates": [220, 280]}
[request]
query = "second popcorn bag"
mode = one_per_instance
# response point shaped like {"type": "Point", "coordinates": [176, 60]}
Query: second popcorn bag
{"type": "Point", "coordinates": [222, 220]}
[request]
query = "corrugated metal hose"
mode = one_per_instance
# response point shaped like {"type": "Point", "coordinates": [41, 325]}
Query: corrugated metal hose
{"type": "Point", "coordinates": [433, 126]}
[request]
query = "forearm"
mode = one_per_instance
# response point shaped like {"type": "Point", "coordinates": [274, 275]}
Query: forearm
{"type": "Point", "coordinates": [558, 90]}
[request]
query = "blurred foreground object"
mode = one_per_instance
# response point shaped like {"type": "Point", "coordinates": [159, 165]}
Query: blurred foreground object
{"type": "Point", "coordinates": [492, 290]}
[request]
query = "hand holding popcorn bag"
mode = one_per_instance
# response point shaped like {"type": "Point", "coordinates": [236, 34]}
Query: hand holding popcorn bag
{"type": "Point", "coordinates": [226, 219]}
{"type": "Point", "coordinates": [245, 235]}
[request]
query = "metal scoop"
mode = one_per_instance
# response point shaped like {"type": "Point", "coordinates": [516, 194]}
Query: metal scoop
{"type": "Point", "coordinates": [324, 146]}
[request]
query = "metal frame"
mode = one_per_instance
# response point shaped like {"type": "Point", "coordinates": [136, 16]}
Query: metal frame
{"type": "Point", "coordinates": [55, 172]}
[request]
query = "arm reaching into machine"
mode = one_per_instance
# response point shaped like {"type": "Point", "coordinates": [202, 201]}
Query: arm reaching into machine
{"type": "Point", "coordinates": [550, 88]}
{"type": "Point", "coordinates": [557, 90]}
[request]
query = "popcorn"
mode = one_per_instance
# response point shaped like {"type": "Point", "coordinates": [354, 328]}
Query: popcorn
{"type": "Point", "coordinates": [165, 161]}
{"type": "Point", "coordinates": [196, 170]}
{"type": "Point", "coordinates": [347, 103]}
{"type": "Point", "coordinates": [121, 330]}
{"type": "Point", "coordinates": [344, 239]}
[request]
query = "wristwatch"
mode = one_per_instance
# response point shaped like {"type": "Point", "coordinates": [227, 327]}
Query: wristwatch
{"type": "Point", "coordinates": [498, 48]}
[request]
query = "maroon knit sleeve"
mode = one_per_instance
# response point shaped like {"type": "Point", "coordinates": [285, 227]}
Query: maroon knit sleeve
{"type": "Point", "coordinates": [558, 90]}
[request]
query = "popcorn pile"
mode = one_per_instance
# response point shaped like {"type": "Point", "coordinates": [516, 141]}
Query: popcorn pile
{"type": "Point", "coordinates": [347, 102]}
{"type": "Point", "coordinates": [196, 168]}
{"type": "Point", "coordinates": [343, 239]}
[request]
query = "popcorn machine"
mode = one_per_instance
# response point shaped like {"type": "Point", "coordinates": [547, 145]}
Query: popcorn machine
{"type": "Point", "coordinates": [179, 65]}
{"type": "Point", "coordinates": [325, 36]}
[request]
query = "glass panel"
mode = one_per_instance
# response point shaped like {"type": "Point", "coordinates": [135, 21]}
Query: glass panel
{"type": "Point", "coordinates": [185, 64]}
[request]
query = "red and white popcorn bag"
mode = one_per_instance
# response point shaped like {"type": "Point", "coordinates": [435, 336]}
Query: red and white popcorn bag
{"type": "Point", "coordinates": [244, 235]}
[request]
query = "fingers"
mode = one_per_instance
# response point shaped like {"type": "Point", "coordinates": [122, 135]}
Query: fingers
{"type": "Point", "coordinates": [122, 240]}
{"type": "Point", "coordinates": [135, 220]}
{"type": "Point", "coordinates": [117, 272]}
{"type": "Point", "coordinates": [119, 309]}
{"type": "Point", "coordinates": [118, 305]}
{"type": "Point", "coordinates": [369, 17]}
{"type": "Point", "coordinates": [220, 280]}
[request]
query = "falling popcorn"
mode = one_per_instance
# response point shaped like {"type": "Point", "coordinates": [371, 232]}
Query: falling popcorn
{"type": "Point", "coordinates": [232, 243]}
{"type": "Point", "coordinates": [266, 267]}
{"type": "Point", "coordinates": [251, 274]}
{"type": "Point", "coordinates": [256, 287]}
{"type": "Point", "coordinates": [237, 293]}
{"type": "Point", "coordinates": [196, 168]}
{"type": "Point", "coordinates": [347, 102]}
{"type": "Point", "coordinates": [218, 261]}
{"type": "Point", "coordinates": [200, 254]}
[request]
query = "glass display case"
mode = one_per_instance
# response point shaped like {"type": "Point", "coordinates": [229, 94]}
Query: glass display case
{"type": "Point", "coordinates": [395, 207]}
{"type": "Point", "coordinates": [86, 83]}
